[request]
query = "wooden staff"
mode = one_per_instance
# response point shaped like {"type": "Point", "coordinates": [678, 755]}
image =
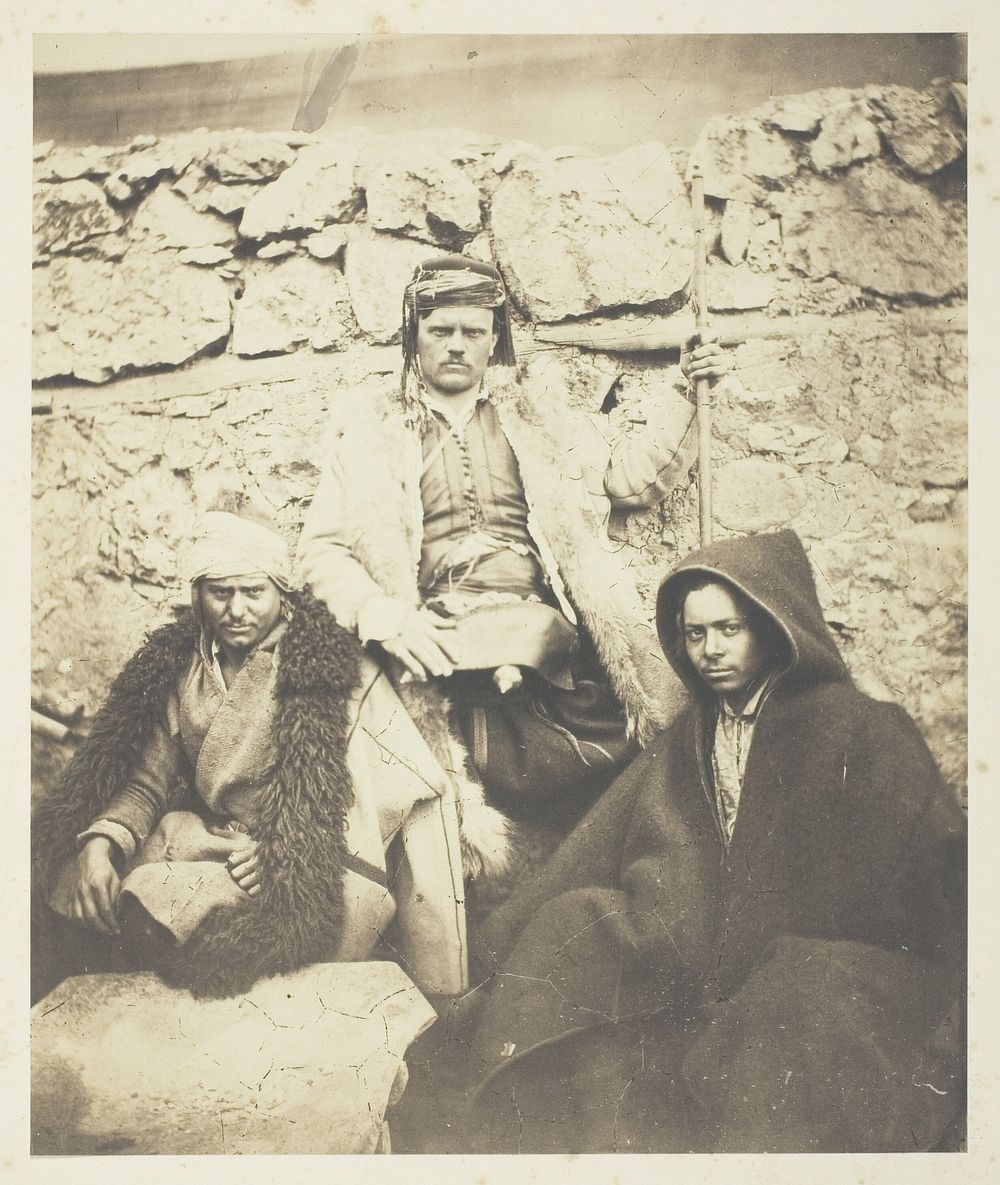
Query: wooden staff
{"type": "Point", "coordinates": [702, 390]}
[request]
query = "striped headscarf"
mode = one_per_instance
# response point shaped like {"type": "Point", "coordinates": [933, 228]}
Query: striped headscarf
{"type": "Point", "coordinates": [449, 281]}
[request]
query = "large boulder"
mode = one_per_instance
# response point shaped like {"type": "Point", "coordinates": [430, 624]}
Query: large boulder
{"type": "Point", "coordinates": [93, 319]}
{"type": "Point", "coordinates": [578, 235]}
{"type": "Point", "coordinates": [875, 229]}
{"type": "Point", "coordinates": [306, 1063]}
{"type": "Point", "coordinates": [920, 126]}
{"type": "Point", "coordinates": [318, 188]}
{"type": "Point", "coordinates": [70, 214]}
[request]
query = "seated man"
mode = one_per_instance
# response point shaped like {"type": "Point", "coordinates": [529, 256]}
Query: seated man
{"type": "Point", "coordinates": [250, 799]}
{"type": "Point", "coordinates": [755, 941]}
{"type": "Point", "coordinates": [511, 631]}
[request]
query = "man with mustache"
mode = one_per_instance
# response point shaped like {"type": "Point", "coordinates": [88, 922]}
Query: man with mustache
{"type": "Point", "coordinates": [457, 530]}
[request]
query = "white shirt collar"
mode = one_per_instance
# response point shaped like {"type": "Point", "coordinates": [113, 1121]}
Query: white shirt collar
{"type": "Point", "coordinates": [443, 407]}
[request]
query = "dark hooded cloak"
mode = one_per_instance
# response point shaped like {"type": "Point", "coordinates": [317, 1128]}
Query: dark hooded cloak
{"type": "Point", "coordinates": [796, 975]}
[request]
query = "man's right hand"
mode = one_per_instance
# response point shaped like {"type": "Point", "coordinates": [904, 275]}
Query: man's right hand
{"type": "Point", "coordinates": [423, 646]}
{"type": "Point", "coordinates": [94, 897]}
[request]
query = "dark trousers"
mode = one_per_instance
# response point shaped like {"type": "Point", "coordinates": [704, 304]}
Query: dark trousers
{"type": "Point", "coordinates": [542, 749]}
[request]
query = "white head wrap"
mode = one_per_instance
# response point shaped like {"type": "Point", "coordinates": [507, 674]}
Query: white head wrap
{"type": "Point", "coordinates": [228, 545]}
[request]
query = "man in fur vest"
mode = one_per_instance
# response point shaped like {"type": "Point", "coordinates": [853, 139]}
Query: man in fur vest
{"type": "Point", "coordinates": [455, 531]}
{"type": "Point", "coordinates": [755, 940]}
{"type": "Point", "coordinates": [250, 798]}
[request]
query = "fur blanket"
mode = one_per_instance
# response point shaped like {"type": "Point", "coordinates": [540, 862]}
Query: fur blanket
{"type": "Point", "coordinates": [297, 916]}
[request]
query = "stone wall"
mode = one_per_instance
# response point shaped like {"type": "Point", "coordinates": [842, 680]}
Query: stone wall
{"type": "Point", "coordinates": [200, 300]}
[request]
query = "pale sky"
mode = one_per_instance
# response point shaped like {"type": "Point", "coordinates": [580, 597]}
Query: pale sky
{"type": "Point", "coordinates": [58, 54]}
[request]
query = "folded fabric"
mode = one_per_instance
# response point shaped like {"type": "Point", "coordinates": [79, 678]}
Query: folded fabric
{"type": "Point", "coordinates": [525, 634]}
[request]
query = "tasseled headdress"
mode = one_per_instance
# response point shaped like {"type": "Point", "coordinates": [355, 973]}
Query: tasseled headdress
{"type": "Point", "coordinates": [449, 281]}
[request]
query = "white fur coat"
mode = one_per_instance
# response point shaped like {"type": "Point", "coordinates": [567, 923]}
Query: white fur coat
{"type": "Point", "coordinates": [363, 533]}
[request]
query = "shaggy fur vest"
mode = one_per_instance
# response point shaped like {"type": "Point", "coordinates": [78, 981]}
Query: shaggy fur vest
{"type": "Point", "coordinates": [297, 917]}
{"type": "Point", "coordinates": [379, 456]}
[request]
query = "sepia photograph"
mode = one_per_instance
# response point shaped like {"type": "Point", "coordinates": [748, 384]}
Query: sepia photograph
{"type": "Point", "coordinates": [499, 594]}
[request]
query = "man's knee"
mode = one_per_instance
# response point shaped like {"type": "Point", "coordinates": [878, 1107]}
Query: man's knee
{"type": "Point", "coordinates": [824, 1048]}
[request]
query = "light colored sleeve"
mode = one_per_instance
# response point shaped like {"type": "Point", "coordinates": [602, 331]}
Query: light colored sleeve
{"type": "Point", "coordinates": [120, 836]}
{"type": "Point", "coordinates": [328, 567]}
{"type": "Point", "coordinates": [655, 456]}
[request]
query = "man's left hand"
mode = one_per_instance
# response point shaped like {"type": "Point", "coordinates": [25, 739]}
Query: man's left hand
{"type": "Point", "coordinates": [704, 360]}
{"type": "Point", "coordinates": [244, 868]}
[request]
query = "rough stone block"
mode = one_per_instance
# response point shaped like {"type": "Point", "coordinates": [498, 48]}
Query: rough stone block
{"type": "Point", "coordinates": [741, 159]}
{"type": "Point", "coordinates": [848, 134]}
{"type": "Point", "coordinates": [927, 443]}
{"type": "Point", "coordinates": [378, 267]}
{"type": "Point", "coordinates": [577, 235]}
{"type": "Point", "coordinates": [791, 114]}
{"type": "Point", "coordinates": [422, 196]}
{"type": "Point", "coordinates": [70, 213]}
{"type": "Point", "coordinates": [278, 249]}
{"type": "Point", "coordinates": [165, 220]}
{"type": "Point", "coordinates": [960, 94]}
{"type": "Point", "coordinates": [936, 564]}
{"type": "Point", "coordinates": [737, 287]}
{"type": "Point", "coordinates": [805, 444]}
{"type": "Point", "coordinates": [933, 505]}
{"type": "Point", "coordinates": [318, 188]}
{"type": "Point", "coordinates": [203, 192]}
{"type": "Point", "coordinates": [920, 128]}
{"type": "Point", "coordinates": [511, 151]}
{"type": "Point", "coordinates": [205, 256]}
{"type": "Point", "coordinates": [288, 304]}
{"type": "Point", "coordinates": [147, 536]}
{"type": "Point", "coordinates": [304, 1063]}
{"type": "Point", "coordinates": [737, 218]}
{"type": "Point", "coordinates": [764, 242]}
{"type": "Point", "coordinates": [328, 243]}
{"type": "Point", "coordinates": [144, 162]}
{"type": "Point", "coordinates": [93, 319]}
{"type": "Point", "coordinates": [875, 229]}
{"type": "Point", "coordinates": [70, 164]}
{"type": "Point", "coordinates": [250, 156]}
{"type": "Point", "coordinates": [751, 495]}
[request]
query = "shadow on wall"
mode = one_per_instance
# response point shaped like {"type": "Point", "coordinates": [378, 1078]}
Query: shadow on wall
{"type": "Point", "coordinates": [598, 93]}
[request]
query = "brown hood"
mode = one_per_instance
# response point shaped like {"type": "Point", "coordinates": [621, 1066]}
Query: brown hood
{"type": "Point", "coordinates": [773, 572]}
